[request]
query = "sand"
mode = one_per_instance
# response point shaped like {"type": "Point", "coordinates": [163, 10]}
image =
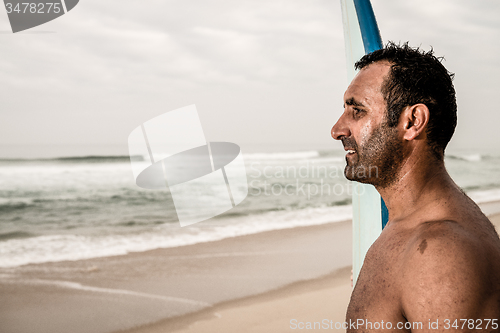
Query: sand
{"type": "Point", "coordinates": [274, 281]}
{"type": "Point", "coordinates": [320, 302]}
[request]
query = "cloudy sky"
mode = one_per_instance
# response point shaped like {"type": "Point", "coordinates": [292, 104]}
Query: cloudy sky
{"type": "Point", "coordinates": [268, 75]}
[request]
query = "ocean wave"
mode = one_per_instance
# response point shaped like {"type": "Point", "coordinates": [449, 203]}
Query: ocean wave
{"type": "Point", "coordinates": [52, 248]}
{"type": "Point", "coordinates": [15, 234]}
{"type": "Point", "coordinates": [12, 204]}
{"type": "Point", "coordinates": [125, 158]}
{"type": "Point", "coordinates": [282, 156]}
{"type": "Point", "coordinates": [466, 157]}
{"type": "Point", "coordinates": [78, 159]}
{"type": "Point", "coordinates": [98, 158]}
{"type": "Point", "coordinates": [474, 157]}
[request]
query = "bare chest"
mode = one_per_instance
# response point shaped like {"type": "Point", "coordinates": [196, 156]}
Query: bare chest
{"type": "Point", "coordinates": [376, 296]}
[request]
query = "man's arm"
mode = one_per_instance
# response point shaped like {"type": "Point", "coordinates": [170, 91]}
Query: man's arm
{"type": "Point", "coordinates": [444, 279]}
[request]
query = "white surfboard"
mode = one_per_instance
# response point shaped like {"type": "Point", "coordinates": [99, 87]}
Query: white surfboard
{"type": "Point", "coordinates": [361, 36]}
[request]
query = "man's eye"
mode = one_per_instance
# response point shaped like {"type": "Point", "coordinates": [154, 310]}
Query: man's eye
{"type": "Point", "coordinates": [357, 111]}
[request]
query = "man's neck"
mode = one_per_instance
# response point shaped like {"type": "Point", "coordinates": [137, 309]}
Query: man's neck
{"type": "Point", "coordinates": [421, 181]}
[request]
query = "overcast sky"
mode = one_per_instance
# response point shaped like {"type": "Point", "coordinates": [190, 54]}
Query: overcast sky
{"type": "Point", "coordinates": [267, 75]}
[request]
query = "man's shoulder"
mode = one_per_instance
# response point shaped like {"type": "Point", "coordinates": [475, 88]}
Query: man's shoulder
{"type": "Point", "coordinates": [443, 247]}
{"type": "Point", "coordinates": [439, 238]}
{"type": "Point", "coordinates": [447, 264]}
{"type": "Point", "coordinates": [450, 240]}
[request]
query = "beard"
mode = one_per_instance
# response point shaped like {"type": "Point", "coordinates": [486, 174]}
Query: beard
{"type": "Point", "coordinates": [378, 160]}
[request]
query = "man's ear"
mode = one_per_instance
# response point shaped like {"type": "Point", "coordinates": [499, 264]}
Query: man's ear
{"type": "Point", "coordinates": [414, 120]}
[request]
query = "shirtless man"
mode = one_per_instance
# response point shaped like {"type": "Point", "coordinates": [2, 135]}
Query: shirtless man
{"type": "Point", "coordinates": [438, 258]}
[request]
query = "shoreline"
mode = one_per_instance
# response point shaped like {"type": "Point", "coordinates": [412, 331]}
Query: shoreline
{"type": "Point", "coordinates": [490, 206]}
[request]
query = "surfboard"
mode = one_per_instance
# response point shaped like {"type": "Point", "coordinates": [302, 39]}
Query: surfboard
{"type": "Point", "coordinates": [370, 215]}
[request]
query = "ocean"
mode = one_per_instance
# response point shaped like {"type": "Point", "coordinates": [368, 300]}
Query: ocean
{"type": "Point", "coordinates": [74, 208]}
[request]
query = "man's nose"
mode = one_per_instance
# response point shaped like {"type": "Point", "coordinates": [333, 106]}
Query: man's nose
{"type": "Point", "coordinates": [340, 129]}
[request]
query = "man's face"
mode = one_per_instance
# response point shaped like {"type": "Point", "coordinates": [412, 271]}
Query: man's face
{"type": "Point", "coordinates": [374, 149]}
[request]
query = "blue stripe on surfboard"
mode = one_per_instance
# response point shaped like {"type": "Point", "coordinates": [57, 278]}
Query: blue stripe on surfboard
{"type": "Point", "coordinates": [385, 213]}
{"type": "Point", "coordinates": [372, 41]}
{"type": "Point", "coordinates": [368, 25]}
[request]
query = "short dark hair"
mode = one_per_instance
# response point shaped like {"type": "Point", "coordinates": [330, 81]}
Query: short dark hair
{"type": "Point", "coordinates": [416, 77]}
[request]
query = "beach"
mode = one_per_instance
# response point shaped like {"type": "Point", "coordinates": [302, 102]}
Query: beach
{"type": "Point", "coordinates": [273, 281]}
{"type": "Point", "coordinates": [121, 292]}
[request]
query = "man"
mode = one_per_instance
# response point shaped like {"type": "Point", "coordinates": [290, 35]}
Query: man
{"type": "Point", "coordinates": [438, 259]}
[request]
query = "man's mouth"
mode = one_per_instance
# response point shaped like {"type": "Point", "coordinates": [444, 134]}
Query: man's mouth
{"type": "Point", "coordinates": [350, 146]}
{"type": "Point", "coordinates": [350, 151]}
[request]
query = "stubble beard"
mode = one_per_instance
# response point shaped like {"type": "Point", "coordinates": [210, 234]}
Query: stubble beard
{"type": "Point", "coordinates": [378, 160]}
